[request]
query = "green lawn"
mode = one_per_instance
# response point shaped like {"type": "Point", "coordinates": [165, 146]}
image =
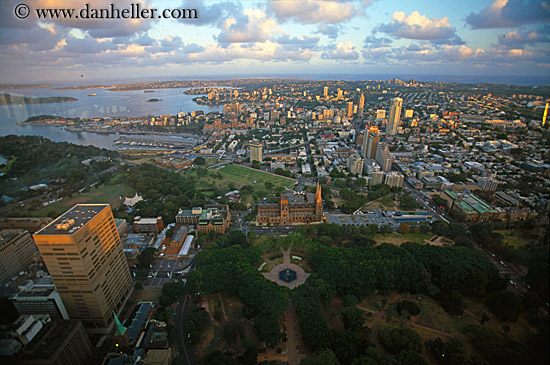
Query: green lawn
{"type": "Point", "coordinates": [241, 176]}
{"type": "Point", "coordinates": [102, 194]}
{"type": "Point", "coordinates": [7, 167]}
{"type": "Point", "coordinates": [513, 238]}
{"type": "Point", "coordinates": [386, 203]}
{"type": "Point", "coordinates": [399, 238]}
{"type": "Point", "coordinates": [235, 177]}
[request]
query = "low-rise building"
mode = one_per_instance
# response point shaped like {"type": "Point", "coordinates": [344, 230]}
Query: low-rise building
{"type": "Point", "coordinates": [212, 218]}
{"type": "Point", "coordinates": [148, 225]}
{"type": "Point", "coordinates": [35, 299]}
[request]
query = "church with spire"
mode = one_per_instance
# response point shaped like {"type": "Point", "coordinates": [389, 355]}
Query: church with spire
{"type": "Point", "coordinates": [292, 208]}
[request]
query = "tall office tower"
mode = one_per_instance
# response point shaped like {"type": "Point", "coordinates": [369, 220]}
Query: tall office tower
{"type": "Point", "coordinates": [340, 94]}
{"type": "Point", "coordinates": [370, 142]}
{"type": "Point", "coordinates": [395, 116]}
{"type": "Point", "coordinates": [16, 252]}
{"type": "Point", "coordinates": [349, 112]}
{"type": "Point", "coordinates": [82, 251]}
{"type": "Point", "coordinates": [325, 92]}
{"type": "Point", "coordinates": [361, 107]}
{"type": "Point", "coordinates": [384, 157]}
{"type": "Point", "coordinates": [256, 152]}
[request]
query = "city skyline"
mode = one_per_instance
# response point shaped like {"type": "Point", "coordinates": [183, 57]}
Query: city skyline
{"type": "Point", "coordinates": [280, 37]}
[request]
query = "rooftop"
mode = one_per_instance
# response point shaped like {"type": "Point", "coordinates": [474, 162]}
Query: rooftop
{"type": "Point", "coordinates": [72, 220]}
{"type": "Point", "coordinates": [47, 342]}
{"type": "Point", "coordinates": [139, 320]}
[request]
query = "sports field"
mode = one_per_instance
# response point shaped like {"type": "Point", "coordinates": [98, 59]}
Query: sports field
{"type": "Point", "coordinates": [242, 175]}
{"type": "Point", "coordinates": [257, 184]}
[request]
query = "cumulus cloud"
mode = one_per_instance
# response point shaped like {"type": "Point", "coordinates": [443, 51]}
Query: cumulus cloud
{"type": "Point", "coordinates": [210, 13]}
{"type": "Point", "coordinates": [330, 30]}
{"type": "Point", "coordinates": [459, 53]}
{"type": "Point", "coordinates": [86, 45]}
{"type": "Point", "coordinates": [413, 51]}
{"type": "Point", "coordinates": [373, 41]}
{"type": "Point", "coordinates": [97, 28]}
{"type": "Point", "coordinates": [342, 51]}
{"type": "Point", "coordinates": [515, 39]}
{"type": "Point", "coordinates": [306, 41]}
{"type": "Point", "coordinates": [251, 26]}
{"type": "Point", "coordinates": [510, 13]}
{"type": "Point", "coordinates": [417, 26]}
{"type": "Point", "coordinates": [315, 11]}
{"type": "Point", "coordinates": [36, 38]}
{"type": "Point", "coordinates": [266, 51]}
{"type": "Point", "coordinates": [376, 54]}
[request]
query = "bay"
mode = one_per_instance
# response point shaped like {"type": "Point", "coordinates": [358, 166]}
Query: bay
{"type": "Point", "coordinates": [105, 103]}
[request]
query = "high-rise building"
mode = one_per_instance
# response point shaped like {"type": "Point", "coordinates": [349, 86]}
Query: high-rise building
{"type": "Point", "coordinates": [340, 94]}
{"type": "Point", "coordinates": [370, 142]}
{"type": "Point", "coordinates": [349, 112]}
{"type": "Point", "coordinates": [395, 116]}
{"type": "Point", "coordinates": [325, 92]}
{"type": "Point", "coordinates": [394, 179]}
{"type": "Point", "coordinates": [384, 157]}
{"type": "Point", "coordinates": [361, 107]}
{"type": "Point", "coordinates": [83, 253]}
{"type": "Point", "coordinates": [377, 177]}
{"type": "Point", "coordinates": [355, 164]}
{"type": "Point", "coordinates": [256, 152]}
{"type": "Point", "coordinates": [16, 251]}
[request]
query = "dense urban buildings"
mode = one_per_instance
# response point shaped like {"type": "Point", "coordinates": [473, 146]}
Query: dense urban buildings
{"type": "Point", "coordinates": [455, 162]}
{"type": "Point", "coordinates": [83, 254]}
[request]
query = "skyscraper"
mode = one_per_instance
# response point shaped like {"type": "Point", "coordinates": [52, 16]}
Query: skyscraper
{"type": "Point", "coordinates": [256, 152]}
{"type": "Point", "coordinates": [384, 157]}
{"type": "Point", "coordinates": [83, 253]}
{"type": "Point", "coordinates": [395, 116]}
{"type": "Point", "coordinates": [325, 92]}
{"type": "Point", "coordinates": [361, 107]}
{"type": "Point", "coordinates": [349, 112]}
{"type": "Point", "coordinates": [370, 142]}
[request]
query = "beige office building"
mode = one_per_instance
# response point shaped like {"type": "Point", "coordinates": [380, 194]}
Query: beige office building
{"type": "Point", "coordinates": [16, 252]}
{"type": "Point", "coordinates": [83, 253]}
{"type": "Point", "coordinates": [256, 152]}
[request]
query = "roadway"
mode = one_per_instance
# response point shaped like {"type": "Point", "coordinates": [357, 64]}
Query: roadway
{"type": "Point", "coordinates": [182, 311]}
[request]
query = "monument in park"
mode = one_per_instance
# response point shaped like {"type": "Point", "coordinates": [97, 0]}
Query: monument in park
{"type": "Point", "coordinates": [287, 274]}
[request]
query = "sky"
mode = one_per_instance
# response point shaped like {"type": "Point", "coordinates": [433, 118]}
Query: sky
{"type": "Point", "coordinates": [278, 38]}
